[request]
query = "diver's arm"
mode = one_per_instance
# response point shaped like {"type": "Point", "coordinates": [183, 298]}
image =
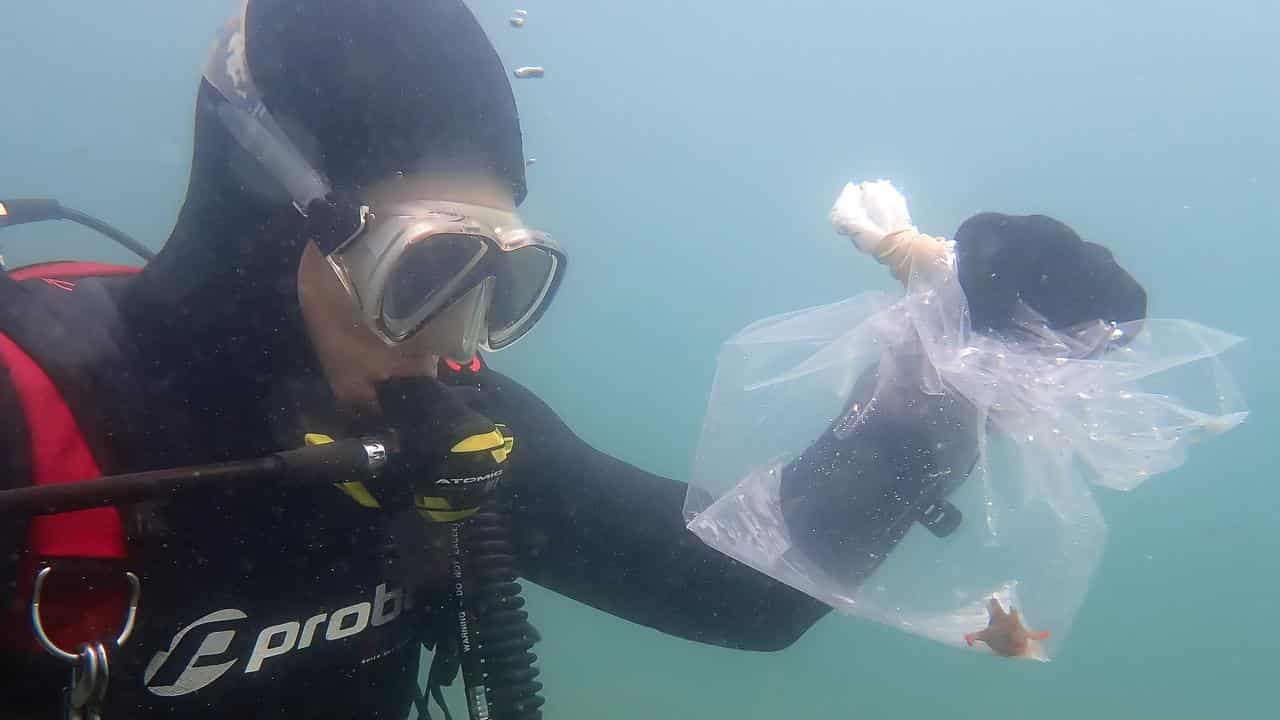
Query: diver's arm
{"type": "Point", "coordinates": [612, 536]}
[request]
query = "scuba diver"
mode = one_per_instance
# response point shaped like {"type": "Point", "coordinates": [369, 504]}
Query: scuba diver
{"type": "Point", "coordinates": [348, 243]}
{"type": "Point", "coordinates": [258, 325]}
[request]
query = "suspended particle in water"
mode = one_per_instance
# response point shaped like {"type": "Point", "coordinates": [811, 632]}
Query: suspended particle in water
{"type": "Point", "coordinates": [518, 18]}
{"type": "Point", "coordinates": [530, 71]}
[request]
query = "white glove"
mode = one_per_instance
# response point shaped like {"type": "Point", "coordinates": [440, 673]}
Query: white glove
{"type": "Point", "coordinates": [875, 215]}
{"type": "Point", "coordinates": [868, 212]}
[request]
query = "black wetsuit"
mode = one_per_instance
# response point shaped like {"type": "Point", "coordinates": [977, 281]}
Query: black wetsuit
{"type": "Point", "coordinates": [302, 603]}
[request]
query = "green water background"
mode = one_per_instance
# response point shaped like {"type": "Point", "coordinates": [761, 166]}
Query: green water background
{"type": "Point", "coordinates": [687, 154]}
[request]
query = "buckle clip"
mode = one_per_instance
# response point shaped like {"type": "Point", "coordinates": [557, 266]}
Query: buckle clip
{"type": "Point", "coordinates": [135, 592]}
{"type": "Point", "coordinates": [91, 667]}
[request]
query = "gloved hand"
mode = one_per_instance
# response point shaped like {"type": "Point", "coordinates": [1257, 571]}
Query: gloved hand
{"type": "Point", "coordinates": [874, 214]}
{"type": "Point", "coordinates": [869, 211]}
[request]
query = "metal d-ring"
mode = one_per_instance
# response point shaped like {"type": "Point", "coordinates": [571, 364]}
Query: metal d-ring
{"type": "Point", "coordinates": [135, 592]}
{"type": "Point", "coordinates": [88, 675]}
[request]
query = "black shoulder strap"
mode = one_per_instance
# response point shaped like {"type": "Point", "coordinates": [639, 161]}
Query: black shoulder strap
{"type": "Point", "coordinates": [73, 331]}
{"type": "Point", "coordinates": [15, 436]}
{"type": "Point", "coordinates": [15, 471]}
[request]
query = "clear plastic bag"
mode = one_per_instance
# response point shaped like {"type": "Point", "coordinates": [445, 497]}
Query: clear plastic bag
{"type": "Point", "coordinates": [1045, 414]}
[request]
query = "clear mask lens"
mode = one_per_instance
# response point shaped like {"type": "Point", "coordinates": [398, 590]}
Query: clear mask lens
{"type": "Point", "coordinates": [424, 280]}
{"type": "Point", "coordinates": [524, 277]}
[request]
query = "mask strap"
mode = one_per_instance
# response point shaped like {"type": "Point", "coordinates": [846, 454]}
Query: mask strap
{"type": "Point", "coordinates": [335, 220]}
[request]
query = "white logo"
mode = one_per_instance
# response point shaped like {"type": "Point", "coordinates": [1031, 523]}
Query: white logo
{"type": "Point", "coordinates": [471, 480]}
{"type": "Point", "coordinates": [206, 649]}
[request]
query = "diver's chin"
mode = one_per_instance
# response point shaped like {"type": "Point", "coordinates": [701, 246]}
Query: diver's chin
{"type": "Point", "coordinates": [356, 404]}
{"type": "Point", "coordinates": [424, 365]}
{"type": "Point", "coordinates": [357, 400]}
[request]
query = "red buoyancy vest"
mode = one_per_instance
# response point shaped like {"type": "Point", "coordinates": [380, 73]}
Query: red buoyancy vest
{"type": "Point", "coordinates": [86, 601]}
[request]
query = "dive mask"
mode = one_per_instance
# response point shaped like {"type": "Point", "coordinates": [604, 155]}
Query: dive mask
{"type": "Point", "coordinates": [407, 262]}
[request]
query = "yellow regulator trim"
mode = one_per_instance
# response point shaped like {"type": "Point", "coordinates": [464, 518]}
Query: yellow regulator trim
{"type": "Point", "coordinates": [438, 509]}
{"type": "Point", "coordinates": [355, 490]}
{"type": "Point", "coordinates": [477, 443]}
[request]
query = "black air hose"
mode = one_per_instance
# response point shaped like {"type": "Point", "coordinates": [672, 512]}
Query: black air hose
{"type": "Point", "coordinates": [504, 634]}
